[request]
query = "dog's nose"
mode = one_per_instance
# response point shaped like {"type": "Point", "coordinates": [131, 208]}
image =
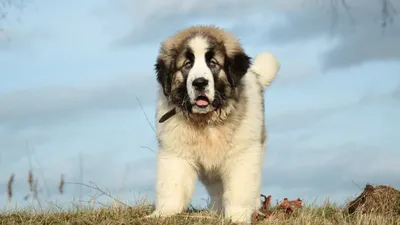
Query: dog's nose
{"type": "Point", "coordinates": [200, 83]}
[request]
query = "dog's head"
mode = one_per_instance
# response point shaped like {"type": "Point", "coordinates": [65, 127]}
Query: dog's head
{"type": "Point", "coordinates": [200, 70]}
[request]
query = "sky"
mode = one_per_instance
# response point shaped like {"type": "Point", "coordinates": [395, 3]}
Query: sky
{"type": "Point", "coordinates": [78, 94]}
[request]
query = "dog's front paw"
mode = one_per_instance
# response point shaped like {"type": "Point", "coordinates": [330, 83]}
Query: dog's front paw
{"type": "Point", "coordinates": [154, 215]}
{"type": "Point", "coordinates": [158, 214]}
{"type": "Point", "coordinates": [238, 215]}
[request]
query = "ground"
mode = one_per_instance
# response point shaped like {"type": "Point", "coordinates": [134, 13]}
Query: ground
{"type": "Point", "coordinates": [119, 214]}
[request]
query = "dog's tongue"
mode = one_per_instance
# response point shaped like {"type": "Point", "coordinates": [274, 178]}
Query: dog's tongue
{"type": "Point", "coordinates": [201, 102]}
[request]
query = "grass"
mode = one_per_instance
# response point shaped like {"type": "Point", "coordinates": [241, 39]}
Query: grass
{"type": "Point", "coordinates": [381, 202]}
{"type": "Point", "coordinates": [117, 214]}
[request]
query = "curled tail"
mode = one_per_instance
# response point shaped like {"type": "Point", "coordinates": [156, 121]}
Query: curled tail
{"type": "Point", "coordinates": [266, 66]}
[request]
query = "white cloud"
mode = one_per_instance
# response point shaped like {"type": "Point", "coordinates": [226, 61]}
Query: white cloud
{"type": "Point", "coordinates": [51, 104]}
{"type": "Point", "coordinates": [357, 32]}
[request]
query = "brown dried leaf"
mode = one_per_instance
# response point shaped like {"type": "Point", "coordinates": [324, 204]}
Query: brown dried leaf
{"type": "Point", "coordinates": [290, 206]}
{"type": "Point", "coordinates": [286, 208]}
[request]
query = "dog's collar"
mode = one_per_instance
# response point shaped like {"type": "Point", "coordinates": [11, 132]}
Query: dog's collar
{"type": "Point", "coordinates": [167, 115]}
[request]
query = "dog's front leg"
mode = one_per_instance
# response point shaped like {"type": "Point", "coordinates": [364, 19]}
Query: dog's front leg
{"type": "Point", "coordinates": [242, 181]}
{"type": "Point", "coordinates": [176, 180]}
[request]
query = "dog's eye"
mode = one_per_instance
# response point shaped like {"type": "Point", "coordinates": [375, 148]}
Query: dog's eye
{"type": "Point", "coordinates": [187, 65]}
{"type": "Point", "coordinates": [213, 64]}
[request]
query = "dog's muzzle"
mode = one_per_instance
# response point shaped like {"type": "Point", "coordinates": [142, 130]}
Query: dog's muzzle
{"type": "Point", "coordinates": [202, 102]}
{"type": "Point", "coordinates": [199, 85]}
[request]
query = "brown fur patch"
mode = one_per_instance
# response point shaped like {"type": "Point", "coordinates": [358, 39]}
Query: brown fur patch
{"type": "Point", "coordinates": [171, 47]}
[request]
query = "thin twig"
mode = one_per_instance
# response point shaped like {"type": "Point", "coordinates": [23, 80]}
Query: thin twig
{"type": "Point", "coordinates": [40, 168]}
{"type": "Point", "coordinates": [80, 175]}
{"type": "Point", "coordinates": [148, 148]}
{"type": "Point", "coordinates": [55, 205]}
{"type": "Point", "coordinates": [356, 184]}
{"type": "Point", "coordinates": [348, 10]}
{"type": "Point", "coordinates": [95, 187]}
{"type": "Point", "coordinates": [388, 12]}
{"type": "Point", "coordinates": [95, 202]}
{"type": "Point", "coordinates": [196, 216]}
{"type": "Point", "coordinates": [147, 118]}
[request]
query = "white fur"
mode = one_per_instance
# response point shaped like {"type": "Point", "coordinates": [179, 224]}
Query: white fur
{"type": "Point", "coordinates": [227, 158]}
{"type": "Point", "coordinates": [266, 66]}
{"type": "Point", "coordinates": [200, 69]}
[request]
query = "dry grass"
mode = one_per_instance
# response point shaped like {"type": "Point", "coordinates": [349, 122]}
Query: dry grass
{"type": "Point", "coordinates": [375, 205]}
{"type": "Point", "coordinates": [381, 199]}
{"type": "Point", "coordinates": [326, 214]}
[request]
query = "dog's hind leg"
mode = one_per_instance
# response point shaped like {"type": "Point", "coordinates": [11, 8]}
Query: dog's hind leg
{"type": "Point", "coordinates": [215, 190]}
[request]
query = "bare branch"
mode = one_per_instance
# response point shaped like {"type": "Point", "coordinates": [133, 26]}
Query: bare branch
{"type": "Point", "coordinates": [388, 12]}
{"type": "Point", "coordinates": [148, 148]}
{"type": "Point", "coordinates": [348, 10]}
{"type": "Point", "coordinates": [6, 5]}
{"type": "Point", "coordinates": [335, 5]}
{"type": "Point", "coordinates": [80, 175]}
{"type": "Point", "coordinates": [147, 118]}
{"type": "Point", "coordinates": [95, 187]}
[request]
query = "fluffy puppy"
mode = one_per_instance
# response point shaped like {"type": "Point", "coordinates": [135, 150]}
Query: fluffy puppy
{"type": "Point", "coordinates": [211, 122]}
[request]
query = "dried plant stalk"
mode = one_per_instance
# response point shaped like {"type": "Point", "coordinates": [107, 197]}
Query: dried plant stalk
{"type": "Point", "coordinates": [61, 185]}
{"type": "Point", "coordinates": [9, 186]}
{"type": "Point", "coordinates": [30, 180]}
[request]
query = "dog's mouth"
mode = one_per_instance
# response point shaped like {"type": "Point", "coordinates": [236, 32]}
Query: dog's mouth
{"type": "Point", "coordinates": [202, 101]}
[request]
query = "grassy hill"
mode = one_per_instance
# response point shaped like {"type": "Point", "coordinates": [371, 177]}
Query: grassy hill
{"type": "Point", "coordinates": [381, 205]}
{"type": "Point", "coordinates": [326, 214]}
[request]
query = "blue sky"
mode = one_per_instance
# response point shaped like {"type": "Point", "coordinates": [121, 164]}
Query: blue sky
{"type": "Point", "coordinates": [72, 74]}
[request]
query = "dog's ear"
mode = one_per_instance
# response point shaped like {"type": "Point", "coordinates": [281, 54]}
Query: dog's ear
{"type": "Point", "coordinates": [163, 75]}
{"type": "Point", "coordinates": [236, 67]}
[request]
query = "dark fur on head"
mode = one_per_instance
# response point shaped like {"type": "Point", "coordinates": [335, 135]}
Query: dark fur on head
{"type": "Point", "coordinates": [227, 80]}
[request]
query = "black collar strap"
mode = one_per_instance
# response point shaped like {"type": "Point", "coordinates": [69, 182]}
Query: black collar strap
{"type": "Point", "coordinates": [167, 115]}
